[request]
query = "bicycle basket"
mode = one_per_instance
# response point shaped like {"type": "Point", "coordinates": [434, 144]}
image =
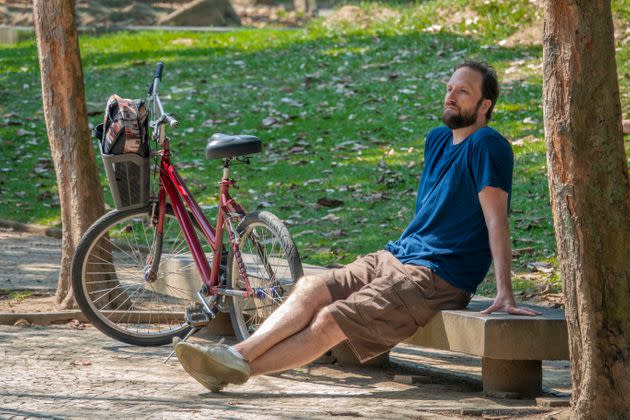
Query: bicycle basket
{"type": "Point", "coordinates": [128, 177]}
{"type": "Point", "coordinates": [126, 152]}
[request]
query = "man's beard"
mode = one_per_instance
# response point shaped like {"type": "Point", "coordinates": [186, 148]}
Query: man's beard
{"type": "Point", "coordinates": [461, 119]}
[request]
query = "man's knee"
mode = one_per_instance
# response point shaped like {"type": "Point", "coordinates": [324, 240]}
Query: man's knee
{"type": "Point", "coordinates": [325, 325]}
{"type": "Point", "coordinates": [312, 291]}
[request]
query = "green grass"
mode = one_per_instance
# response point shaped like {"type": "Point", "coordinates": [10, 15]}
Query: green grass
{"type": "Point", "coordinates": [357, 99]}
{"type": "Point", "coordinates": [15, 296]}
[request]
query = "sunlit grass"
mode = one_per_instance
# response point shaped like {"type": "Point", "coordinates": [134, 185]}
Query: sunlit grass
{"type": "Point", "coordinates": [352, 103]}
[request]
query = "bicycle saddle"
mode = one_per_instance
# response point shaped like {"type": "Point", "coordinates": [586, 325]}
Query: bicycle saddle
{"type": "Point", "coordinates": [223, 146]}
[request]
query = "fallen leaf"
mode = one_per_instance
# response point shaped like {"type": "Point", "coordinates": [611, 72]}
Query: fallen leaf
{"type": "Point", "coordinates": [291, 102]}
{"type": "Point", "coordinates": [211, 122]}
{"type": "Point", "coordinates": [329, 202]}
{"type": "Point", "coordinates": [522, 251]}
{"type": "Point", "coordinates": [543, 267]}
{"type": "Point", "coordinates": [75, 324]}
{"type": "Point", "coordinates": [313, 181]}
{"type": "Point", "coordinates": [331, 218]}
{"type": "Point", "coordinates": [269, 121]}
{"type": "Point", "coordinates": [296, 149]}
{"type": "Point", "coordinates": [336, 233]}
{"type": "Point", "coordinates": [304, 232]}
{"type": "Point", "coordinates": [22, 323]}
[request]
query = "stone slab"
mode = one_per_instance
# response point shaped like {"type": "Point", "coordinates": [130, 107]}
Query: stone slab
{"type": "Point", "coordinates": [497, 336]}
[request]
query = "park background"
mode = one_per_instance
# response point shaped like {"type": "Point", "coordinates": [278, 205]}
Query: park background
{"type": "Point", "coordinates": [342, 104]}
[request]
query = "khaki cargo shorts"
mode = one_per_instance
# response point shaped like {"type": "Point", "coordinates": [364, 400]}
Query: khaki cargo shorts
{"type": "Point", "coordinates": [379, 302]}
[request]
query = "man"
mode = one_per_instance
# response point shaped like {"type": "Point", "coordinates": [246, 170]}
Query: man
{"type": "Point", "coordinates": [460, 225]}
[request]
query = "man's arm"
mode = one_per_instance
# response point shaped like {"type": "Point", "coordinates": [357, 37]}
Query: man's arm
{"type": "Point", "coordinates": [494, 203]}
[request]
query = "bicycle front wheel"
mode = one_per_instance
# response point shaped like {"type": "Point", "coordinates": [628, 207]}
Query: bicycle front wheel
{"type": "Point", "coordinates": [272, 265]}
{"type": "Point", "coordinates": [132, 283]}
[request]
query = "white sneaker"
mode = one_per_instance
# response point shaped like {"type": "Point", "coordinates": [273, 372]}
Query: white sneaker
{"type": "Point", "coordinates": [213, 367]}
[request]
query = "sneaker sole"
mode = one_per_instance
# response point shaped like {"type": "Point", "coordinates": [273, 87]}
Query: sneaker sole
{"type": "Point", "coordinates": [204, 366]}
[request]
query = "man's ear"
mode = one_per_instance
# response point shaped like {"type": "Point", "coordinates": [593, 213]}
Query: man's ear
{"type": "Point", "coordinates": [485, 106]}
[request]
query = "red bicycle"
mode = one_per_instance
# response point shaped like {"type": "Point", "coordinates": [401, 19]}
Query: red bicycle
{"type": "Point", "coordinates": [155, 268]}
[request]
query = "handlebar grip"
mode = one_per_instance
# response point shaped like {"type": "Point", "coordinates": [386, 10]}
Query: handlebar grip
{"type": "Point", "coordinates": [157, 74]}
{"type": "Point", "coordinates": [171, 121]}
{"type": "Point", "coordinates": [158, 70]}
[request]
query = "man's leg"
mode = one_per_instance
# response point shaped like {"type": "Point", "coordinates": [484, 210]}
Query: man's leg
{"type": "Point", "coordinates": [295, 334]}
{"type": "Point", "coordinates": [319, 336]}
{"type": "Point", "coordinates": [296, 313]}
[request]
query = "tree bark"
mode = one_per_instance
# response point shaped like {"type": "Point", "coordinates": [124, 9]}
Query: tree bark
{"type": "Point", "coordinates": [590, 197]}
{"type": "Point", "coordinates": [65, 112]}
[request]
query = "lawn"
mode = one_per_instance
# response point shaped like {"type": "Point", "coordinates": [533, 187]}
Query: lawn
{"type": "Point", "coordinates": [342, 107]}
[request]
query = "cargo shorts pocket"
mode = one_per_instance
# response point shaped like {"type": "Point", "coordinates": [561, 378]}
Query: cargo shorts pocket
{"type": "Point", "coordinates": [414, 296]}
{"type": "Point", "coordinates": [378, 302]}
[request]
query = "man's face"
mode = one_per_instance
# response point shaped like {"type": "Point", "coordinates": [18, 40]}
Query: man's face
{"type": "Point", "coordinates": [463, 99]}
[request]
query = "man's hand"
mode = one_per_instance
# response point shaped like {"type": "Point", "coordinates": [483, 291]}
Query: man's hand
{"type": "Point", "coordinates": [507, 304]}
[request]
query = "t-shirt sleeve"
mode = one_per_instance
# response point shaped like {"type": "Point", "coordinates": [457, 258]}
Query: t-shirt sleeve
{"type": "Point", "coordinates": [492, 163]}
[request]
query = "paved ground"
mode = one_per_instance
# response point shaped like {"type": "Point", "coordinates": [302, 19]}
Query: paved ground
{"type": "Point", "coordinates": [70, 371]}
{"type": "Point", "coordinates": [28, 261]}
{"type": "Point", "coordinates": [60, 371]}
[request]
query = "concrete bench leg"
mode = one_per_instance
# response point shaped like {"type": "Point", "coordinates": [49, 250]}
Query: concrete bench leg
{"type": "Point", "coordinates": [518, 376]}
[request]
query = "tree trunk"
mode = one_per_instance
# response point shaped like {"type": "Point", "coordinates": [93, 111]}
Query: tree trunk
{"type": "Point", "coordinates": [308, 7]}
{"type": "Point", "coordinates": [590, 197]}
{"type": "Point", "coordinates": [63, 97]}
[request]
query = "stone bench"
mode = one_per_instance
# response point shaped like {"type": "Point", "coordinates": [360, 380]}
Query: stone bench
{"type": "Point", "coordinates": [511, 347]}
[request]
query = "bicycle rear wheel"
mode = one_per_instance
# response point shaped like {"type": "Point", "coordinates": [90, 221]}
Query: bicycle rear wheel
{"type": "Point", "coordinates": [272, 264]}
{"type": "Point", "coordinates": [112, 285]}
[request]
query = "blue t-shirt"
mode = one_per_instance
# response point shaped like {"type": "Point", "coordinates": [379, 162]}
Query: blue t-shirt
{"type": "Point", "coordinates": [448, 233]}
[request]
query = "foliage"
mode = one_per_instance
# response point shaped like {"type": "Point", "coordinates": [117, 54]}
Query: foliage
{"type": "Point", "coordinates": [342, 107]}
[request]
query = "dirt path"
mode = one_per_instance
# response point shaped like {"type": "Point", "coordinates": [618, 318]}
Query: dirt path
{"type": "Point", "coordinates": [61, 371]}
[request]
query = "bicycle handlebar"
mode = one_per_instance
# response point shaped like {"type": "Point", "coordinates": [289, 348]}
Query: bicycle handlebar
{"type": "Point", "coordinates": [157, 77]}
{"type": "Point", "coordinates": [171, 121]}
{"type": "Point", "coordinates": [153, 92]}
{"type": "Point", "coordinates": [158, 70]}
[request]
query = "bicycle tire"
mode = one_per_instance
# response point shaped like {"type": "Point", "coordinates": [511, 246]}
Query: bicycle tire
{"type": "Point", "coordinates": [272, 281]}
{"type": "Point", "coordinates": [110, 262]}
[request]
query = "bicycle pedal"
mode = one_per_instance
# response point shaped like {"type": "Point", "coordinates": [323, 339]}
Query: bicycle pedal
{"type": "Point", "coordinates": [196, 317]}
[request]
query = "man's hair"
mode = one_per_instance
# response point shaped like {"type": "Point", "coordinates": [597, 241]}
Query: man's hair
{"type": "Point", "coordinates": [490, 84]}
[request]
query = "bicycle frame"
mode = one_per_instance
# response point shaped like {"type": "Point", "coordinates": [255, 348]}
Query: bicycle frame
{"type": "Point", "coordinates": [171, 185]}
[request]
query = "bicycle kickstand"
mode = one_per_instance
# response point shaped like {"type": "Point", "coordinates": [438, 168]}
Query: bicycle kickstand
{"type": "Point", "coordinates": [177, 340]}
{"type": "Point", "coordinates": [197, 317]}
